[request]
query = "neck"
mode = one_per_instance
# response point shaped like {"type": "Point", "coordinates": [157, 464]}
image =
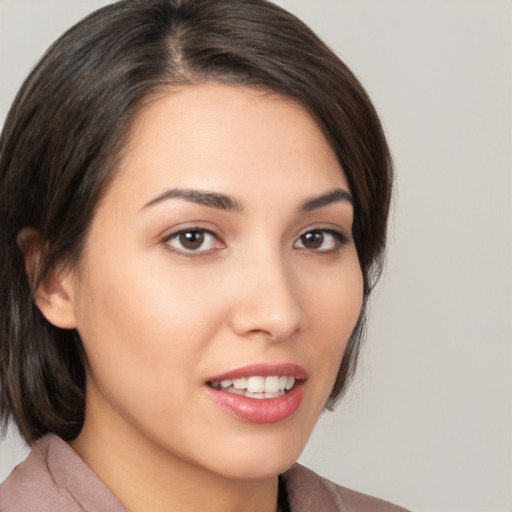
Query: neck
{"type": "Point", "coordinates": [144, 476]}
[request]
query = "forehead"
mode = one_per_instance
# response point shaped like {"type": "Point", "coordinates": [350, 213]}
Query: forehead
{"type": "Point", "coordinates": [226, 137]}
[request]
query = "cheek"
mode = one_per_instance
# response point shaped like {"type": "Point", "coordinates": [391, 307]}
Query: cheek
{"type": "Point", "coordinates": [139, 315]}
{"type": "Point", "coordinates": [333, 315]}
{"type": "Point", "coordinates": [143, 334]}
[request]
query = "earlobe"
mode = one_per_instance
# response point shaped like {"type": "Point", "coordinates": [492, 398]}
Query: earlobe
{"type": "Point", "coordinates": [53, 292]}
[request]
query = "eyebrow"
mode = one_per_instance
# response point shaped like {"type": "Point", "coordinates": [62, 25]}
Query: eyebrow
{"type": "Point", "coordinates": [335, 196]}
{"type": "Point", "coordinates": [223, 202]}
{"type": "Point", "coordinates": [202, 197]}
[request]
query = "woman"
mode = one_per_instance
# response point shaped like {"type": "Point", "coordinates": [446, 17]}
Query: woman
{"type": "Point", "coordinates": [194, 206]}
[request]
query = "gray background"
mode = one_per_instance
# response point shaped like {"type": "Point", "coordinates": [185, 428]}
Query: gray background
{"type": "Point", "coordinates": [428, 422]}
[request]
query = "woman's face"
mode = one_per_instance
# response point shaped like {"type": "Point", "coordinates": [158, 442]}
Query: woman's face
{"type": "Point", "coordinates": [219, 271]}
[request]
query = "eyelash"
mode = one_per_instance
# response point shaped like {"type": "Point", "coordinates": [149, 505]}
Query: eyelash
{"type": "Point", "coordinates": [339, 239]}
{"type": "Point", "coordinates": [190, 253]}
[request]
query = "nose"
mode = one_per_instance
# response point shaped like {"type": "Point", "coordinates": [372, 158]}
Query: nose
{"type": "Point", "coordinates": [267, 300]}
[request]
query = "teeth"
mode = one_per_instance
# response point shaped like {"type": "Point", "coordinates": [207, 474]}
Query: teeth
{"type": "Point", "coordinates": [259, 396]}
{"type": "Point", "coordinates": [240, 383]}
{"type": "Point", "coordinates": [257, 386]}
{"type": "Point", "coordinates": [271, 384]}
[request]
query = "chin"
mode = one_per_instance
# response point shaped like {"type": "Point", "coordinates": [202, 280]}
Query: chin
{"type": "Point", "coordinates": [258, 462]}
{"type": "Point", "coordinates": [253, 470]}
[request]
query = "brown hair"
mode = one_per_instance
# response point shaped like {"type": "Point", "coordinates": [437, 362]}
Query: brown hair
{"type": "Point", "coordinates": [67, 126]}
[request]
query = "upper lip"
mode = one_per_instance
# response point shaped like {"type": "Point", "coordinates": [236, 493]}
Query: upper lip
{"type": "Point", "coordinates": [263, 370]}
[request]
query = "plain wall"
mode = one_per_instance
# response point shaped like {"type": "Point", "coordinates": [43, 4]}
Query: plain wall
{"type": "Point", "coordinates": [428, 422]}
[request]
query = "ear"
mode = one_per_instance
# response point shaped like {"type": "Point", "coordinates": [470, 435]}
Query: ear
{"type": "Point", "coordinates": [54, 294]}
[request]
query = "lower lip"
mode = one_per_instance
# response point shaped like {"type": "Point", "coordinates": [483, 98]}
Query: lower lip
{"type": "Point", "coordinates": [264, 410]}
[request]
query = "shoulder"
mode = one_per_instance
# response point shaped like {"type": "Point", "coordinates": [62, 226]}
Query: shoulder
{"type": "Point", "coordinates": [30, 485]}
{"type": "Point", "coordinates": [310, 492]}
{"type": "Point", "coordinates": [54, 478]}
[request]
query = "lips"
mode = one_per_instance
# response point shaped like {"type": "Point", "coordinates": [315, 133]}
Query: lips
{"type": "Point", "coordinates": [259, 393]}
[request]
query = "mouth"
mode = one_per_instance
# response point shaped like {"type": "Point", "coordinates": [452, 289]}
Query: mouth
{"type": "Point", "coordinates": [259, 393]}
{"type": "Point", "coordinates": [257, 386]}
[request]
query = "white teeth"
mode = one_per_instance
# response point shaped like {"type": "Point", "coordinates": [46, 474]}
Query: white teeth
{"type": "Point", "coordinates": [271, 384]}
{"type": "Point", "coordinates": [259, 396]}
{"type": "Point", "coordinates": [240, 383]}
{"type": "Point", "coordinates": [241, 392]}
{"type": "Point", "coordinates": [257, 386]}
{"type": "Point", "coordinates": [290, 383]}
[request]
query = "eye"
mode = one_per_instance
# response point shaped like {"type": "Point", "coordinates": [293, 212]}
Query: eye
{"type": "Point", "coordinates": [321, 240]}
{"type": "Point", "coordinates": [190, 241]}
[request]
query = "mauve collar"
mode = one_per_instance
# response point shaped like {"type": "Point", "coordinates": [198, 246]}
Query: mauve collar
{"type": "Point", "coordinates": [72, 473]}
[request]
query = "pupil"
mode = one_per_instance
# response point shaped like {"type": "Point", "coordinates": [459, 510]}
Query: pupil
{"type": "Point", "coordinates": [192, 239]}
{"type": "Point", "coordinates": [313, 239]}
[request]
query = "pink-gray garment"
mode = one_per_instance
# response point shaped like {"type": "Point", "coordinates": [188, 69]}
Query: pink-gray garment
{"type": "Point", "coordinates": [54, 478]}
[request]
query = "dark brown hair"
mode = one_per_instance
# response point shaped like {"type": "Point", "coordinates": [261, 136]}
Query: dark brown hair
{"type": "Point", "coordinates": [67, 127]}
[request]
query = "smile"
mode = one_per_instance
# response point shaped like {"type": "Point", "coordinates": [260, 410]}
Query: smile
{"type": "Point", "coordinates": [259, 393]}
{"type": "Point", "coordinates": [258, 387]}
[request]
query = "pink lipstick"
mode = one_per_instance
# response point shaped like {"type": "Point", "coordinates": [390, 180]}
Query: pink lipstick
{"type": "Point", "coordinates": [259, 393]}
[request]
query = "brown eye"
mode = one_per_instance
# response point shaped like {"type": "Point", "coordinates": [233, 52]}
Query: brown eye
{"type": "Point", "coordinates": [191, 240]}
{"type": "Point", "coordinates": [312, 239]}
{"type": "Point", "coordinates": [321, 240]}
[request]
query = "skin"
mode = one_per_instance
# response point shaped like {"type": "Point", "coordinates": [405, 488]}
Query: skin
{"type": "Point", "coordinates": [158, 320]}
